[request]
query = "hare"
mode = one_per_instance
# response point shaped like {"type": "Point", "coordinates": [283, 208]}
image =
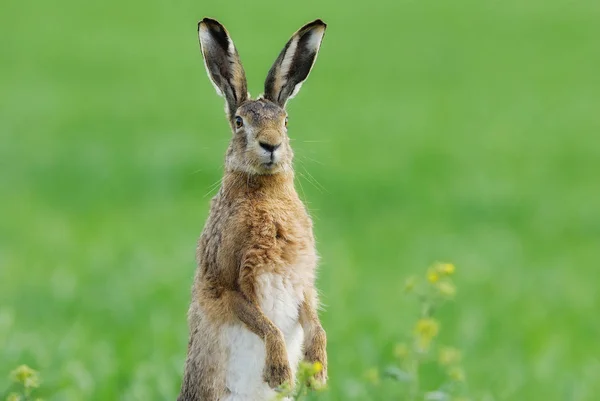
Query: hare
{"type": "Point", "coordinates": [253, 314]}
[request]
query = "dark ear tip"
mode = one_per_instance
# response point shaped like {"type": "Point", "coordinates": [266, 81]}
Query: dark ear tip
{"type": "Point", "coordinates": [209, 22]}
{"type": "Point", "coordinates": [315, 23]}
{"type": "Point", "coordinates": [319, 21]}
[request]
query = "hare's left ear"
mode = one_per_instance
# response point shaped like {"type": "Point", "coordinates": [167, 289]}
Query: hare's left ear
{"type": "Point", "coordinates": [294, 63]}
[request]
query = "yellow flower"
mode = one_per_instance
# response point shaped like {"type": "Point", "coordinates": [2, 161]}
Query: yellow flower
{"type": "Point", "coordinates": [26, 376]}
{"type": "Point", "coordinates": [446, 288]}
{"type": "Point", "coordinates": [456, 374]}
{"type": "Point", "coordinates": [427, 327]}
{"type": "Point", "coordinates": [425, 331]}
{"type": "Point", "coordinates": [432, 276]}
{"type": "Point", "coordinates": [317, 367]}
{"type": "Point", "coordinates": [372, 376]}
{"type": "Point", "coordinates": [307, 369]}
{"type": "Point", "coordinates": [13, 397]}
{"type": "Point", "coordinates": [401, 351]}
{"type": "Point", "coordinates": [449, 356]}
{"type": "Point", "coordinates": [447, 268]}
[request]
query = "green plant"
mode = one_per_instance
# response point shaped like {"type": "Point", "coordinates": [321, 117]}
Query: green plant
{"type": "Point", "coordinates": [27, 381]}
{"type": "Point", "coordinates": [306, 383]}
{"type": "Point", "coordinates": [432, 292]}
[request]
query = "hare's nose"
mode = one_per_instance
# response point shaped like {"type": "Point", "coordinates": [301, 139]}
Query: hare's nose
{"type": "Point", "coordinates": [268, 147]}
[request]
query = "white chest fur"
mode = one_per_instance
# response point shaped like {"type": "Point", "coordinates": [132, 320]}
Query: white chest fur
{"type": "Point", "coordinates": [280, 300]}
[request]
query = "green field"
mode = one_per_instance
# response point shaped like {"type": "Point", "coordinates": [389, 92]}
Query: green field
{"type": "Point", "coordinates": [463, 131]}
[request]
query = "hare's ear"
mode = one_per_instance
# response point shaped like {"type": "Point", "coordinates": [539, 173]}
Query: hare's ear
{"type": "Point", "coordinates": [223, 63]}
{"type": "Point", "coordinates": [294, 63]}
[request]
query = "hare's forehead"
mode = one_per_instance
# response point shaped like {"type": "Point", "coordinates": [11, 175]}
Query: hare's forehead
{"type": "Point", "coordinates": [261, 111]}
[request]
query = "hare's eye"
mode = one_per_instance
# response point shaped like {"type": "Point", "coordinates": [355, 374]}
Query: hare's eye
{"type": "Point", "coordinates": [285, 123]}
{"type": "Point", "coordinates": [239, 122]}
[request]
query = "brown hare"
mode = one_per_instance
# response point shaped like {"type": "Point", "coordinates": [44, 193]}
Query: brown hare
{"type": "Point", "coordinates": [253, 314]}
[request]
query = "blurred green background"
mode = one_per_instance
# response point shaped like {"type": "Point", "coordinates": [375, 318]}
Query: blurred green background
{"type": "Point", "coordinates": [463, 131]}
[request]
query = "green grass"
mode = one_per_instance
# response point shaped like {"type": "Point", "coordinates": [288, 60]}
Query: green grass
{"type": "Point", "coordinates": [462, 131]}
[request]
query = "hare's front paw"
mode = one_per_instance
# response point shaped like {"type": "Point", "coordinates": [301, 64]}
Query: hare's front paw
{"type": "Point", "coordinates": [319, 366]}
{"type": "Point", "coordinates": [320, 376]}
{"type": "Point", "coordinates": [277, 372]}
{"type": "Point", "coordinates": [315, 352]}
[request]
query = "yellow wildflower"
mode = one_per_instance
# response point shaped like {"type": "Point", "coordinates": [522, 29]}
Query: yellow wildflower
{"type": "Point", "coordinates": [432, 276]}
{"type": "Point", "coordinates": [449, 356]}
{"type": "Point", "coordinates": [26, 376]}
{"type": "Point", "coordinates": [401, 351]}
{"type": "Point", "coordinates": [307, 369]}
{"type": "Point", "coordinates": [425, 331]}
{"type": "Point", "coordinates": [446, 268]}
{"type": "Point", "coordinates": [317, 367]}
{"type": "Point", "coordinates": [456, 374]}
{"type": "Point", "coordinates": [427, 327]}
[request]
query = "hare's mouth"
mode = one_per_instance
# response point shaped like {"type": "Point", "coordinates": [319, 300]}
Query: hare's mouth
{"type": "Point", "coordinates": [271, 167]}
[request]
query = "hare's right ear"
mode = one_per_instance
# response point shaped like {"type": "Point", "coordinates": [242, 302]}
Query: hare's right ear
{"type": "Point", "coordinates": [294, 63]}
{"type": "Point", "coordinates": [223, 63]}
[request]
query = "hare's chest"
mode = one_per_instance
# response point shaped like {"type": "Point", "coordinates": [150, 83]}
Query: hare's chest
{"type": "Point", "coordinates": [280, 301]}
{"type": "Point", "coordinates": [280, 298]}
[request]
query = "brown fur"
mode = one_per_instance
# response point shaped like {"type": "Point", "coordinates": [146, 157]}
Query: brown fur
{"type": "Point", "coordinates": [257, 225]}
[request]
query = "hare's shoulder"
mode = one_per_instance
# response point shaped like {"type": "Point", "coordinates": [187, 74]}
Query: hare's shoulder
{"type": "Point", "coordinates": [222, 240]}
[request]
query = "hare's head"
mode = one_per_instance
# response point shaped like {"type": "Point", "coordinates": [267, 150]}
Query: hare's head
{"type": "Point", "coordinates": [260, 144]}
